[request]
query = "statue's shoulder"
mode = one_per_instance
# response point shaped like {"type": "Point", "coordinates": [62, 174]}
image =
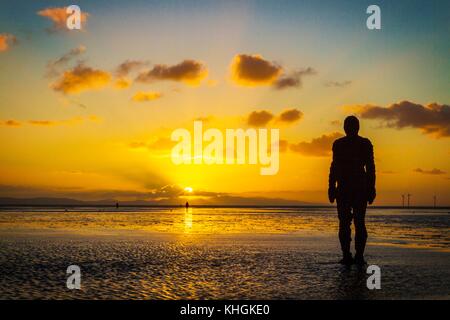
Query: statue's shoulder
{"type": "Point", "coordinates": [340, 140]}
{"type": "Point", "coordinates": [366, 143]}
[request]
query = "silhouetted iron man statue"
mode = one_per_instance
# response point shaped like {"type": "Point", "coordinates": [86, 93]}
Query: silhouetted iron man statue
{"type": "Point", "coordinates": [352, 185]}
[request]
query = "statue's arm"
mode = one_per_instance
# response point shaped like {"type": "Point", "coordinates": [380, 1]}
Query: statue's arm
{"type": "Point", "coordinates": [332, 177]}
{"type": "Point", "coordinates": [370, 171]}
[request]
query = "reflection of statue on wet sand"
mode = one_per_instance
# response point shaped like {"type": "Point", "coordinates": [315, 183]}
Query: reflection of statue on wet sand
{"type": "Point", "coordinates": [353, 170]}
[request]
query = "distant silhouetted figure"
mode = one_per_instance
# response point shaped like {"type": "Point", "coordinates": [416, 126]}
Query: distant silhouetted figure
{"type": "Point", "coordinates": [187, 205]}
{"type": "Point", "coordinates": [117, 205]}
{"type": "Point", "coordinates": [353, 170]}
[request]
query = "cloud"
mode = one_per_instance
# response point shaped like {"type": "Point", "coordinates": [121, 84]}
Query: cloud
{"type": "Point", "coordinates": [71, 121]}
{"type": "Point", "coordinates": [81, 78]}
{"type": "Point", "coordinates": [259, 118]}
{"type": "Point", "coordinates": [146, 96]}
{"type": "Point", "coordinates": [432, 119]}
{"type": "Point", "coordinates": [263, 117]}
{"type": "Point", "coordinates": [294, 79]}
{"type": "Point", "coordinates": [254, 70]}
{"type": "Point", "coordinates": [336, 123]}
{"type": "Point", "coordinates": [204, 119]}
{"type": "Point", "coordinates": [137, 144]}
{"type": "Point", "coordinates": [6, 41]}
{"type": "Point", "coordinates": [161, 143]}
{"type": "Point", "coordinates": [48, 123]}
{"type": "Point", "coordinates": [388, 172]}
{"type": "Point", "coordinates": [431, 172]}
{"type": "Point", "coordinates": [338, 84]}
{"type": "Point", "coordinates": [10, 123]}
{"type": "Point", "coordinates": [168, 194]}
{"type": "Point", "coordinates": [188, 71]}
{"type": "Point", "coordinates": [58, 16]}
{"type": "Point", "coordinates": [125, 68]}
{"type": "Point", "coordinates": [319, 147]}
{"type": "Point", "coordinates": [290, 115]}
{"type": "Point", "coordinates": [283, 145]}
{"type": "Point", "coordinates": [54, 65]}
{"type": "Point", "coordinates": [122, 83]}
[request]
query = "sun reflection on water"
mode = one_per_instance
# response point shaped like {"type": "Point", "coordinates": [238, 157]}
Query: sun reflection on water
{"type": "Point", "coordinates": [188, 220]}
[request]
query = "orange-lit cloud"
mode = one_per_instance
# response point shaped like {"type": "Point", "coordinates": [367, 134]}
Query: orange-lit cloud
{"type": "Point", "coordinates": [6, 41]}
{"type": "Point", "coordinates": [319, 147]}
{"type": "Point", "coordinates": [254, 70]}
{"type": "Point", "coordinates": [122, 83]}
{"type": "Point", "coordinates": [146, 96]}
{"type": "Point", "coordinates": [58, 16]}
{"type": "Point", "coordinates": [259, 118]}
{"type": "Point", "coordinates": [81, 78]}
{"type": "Point", "coordinates": [430, 172]}
{"type": "Point", "coordinates": [432, 119]}
{"type": "Point", "coordinates": [188, 71]}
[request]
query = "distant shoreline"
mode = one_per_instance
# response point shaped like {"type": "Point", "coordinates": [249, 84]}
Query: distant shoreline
{"type": "Point", "coordinates": [2, 206]}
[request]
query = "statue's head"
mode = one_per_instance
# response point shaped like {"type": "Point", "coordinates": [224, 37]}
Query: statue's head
{"type": "Point", "coordinates": [351, 126]}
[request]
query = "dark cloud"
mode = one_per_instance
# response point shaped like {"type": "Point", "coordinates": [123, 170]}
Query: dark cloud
{"type": "Point", "coordinates": [263, 117]}
{"type": "Point", "coordinates": [293, 79]}
{"type": "Point", "coordinates": [54, 65]}
{"type": "Point", "coordinates": [187, 71]}
{"type": "Point", "coordinates": [432, 119]}
{"type": "Point", "coordinates": [10, 123]}
{"type": "Point", "coordinates": [49, 123]}
{"type": "Point", "coordinates": [431, 172]}
{"type": "Point", "coordinates": [338, 84]}
{"type": "Point", "coordinates": [259, 118]}
{"type": "Point", "coordinates": [388, 172]}
{"type": "Point", "coordinates": [283, 145]}
{"type": "Point", "coordinates": [319, 147]}
{"type": "Point", "coordinates": [163, 195]}
{"type": "Point", "coordinates": [253, 70]}
{"type": "Point", "coordinates": [125, 68]}
{"type": "Point", "coordinates": [291, 115]}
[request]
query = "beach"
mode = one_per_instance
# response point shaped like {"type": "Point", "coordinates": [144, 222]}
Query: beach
{"type": "Point", "coordinates": [218, 253]}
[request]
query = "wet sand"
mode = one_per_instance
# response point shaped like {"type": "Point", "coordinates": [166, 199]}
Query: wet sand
{"type": "Point", "coordinates": [122, 263]}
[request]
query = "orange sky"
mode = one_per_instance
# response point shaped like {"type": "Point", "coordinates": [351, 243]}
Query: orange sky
{"type": "Point", "coordinates": [88, 114]}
